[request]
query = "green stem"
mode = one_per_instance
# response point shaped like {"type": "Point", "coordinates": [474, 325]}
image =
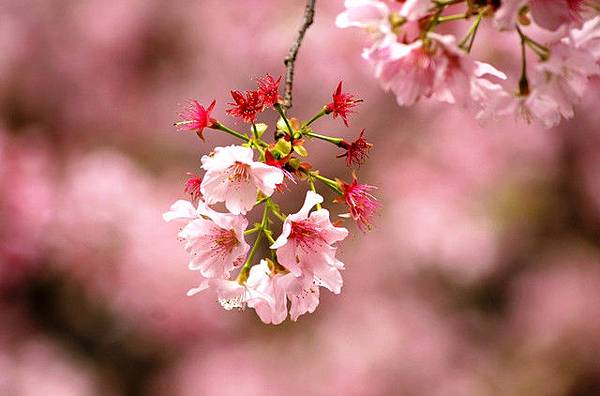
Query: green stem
{"type": "Point", "coordinates": [523, 81]}
{"type": "Point", "coordinates": [444, 3]}
{"type": "Point", "coordinates": [470, 37]}
{"type": "Point", "coordinates": [220, 127]}
{"type": "Point", "coordinates": [329, 139]}
{"type": "Point", "coordinates": [327, 181]}
{"type": "Point", "coordinates": [449, 18]}
{"type": "Point", "coordinates": [285, 119]}
{"type": "Point", "coordinates": [243, 275]}
{"type": "Point", "coordinates": [317, 116]}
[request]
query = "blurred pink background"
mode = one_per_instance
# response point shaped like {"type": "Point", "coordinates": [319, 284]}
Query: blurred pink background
{"type": "Point", "coordinates": [481, 277]}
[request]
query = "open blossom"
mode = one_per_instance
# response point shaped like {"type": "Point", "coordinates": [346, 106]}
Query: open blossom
{"type": "Point", "coordinates": [268, 90]}
{"type": "Point", "coordinates": [215, 240]}
{"type": "Point", "coordinates": [246, 105]}
{"type": "Point", "coordinates": [232, 176]}
{"type": "Point", "coordinates": [195, 118]}
{"type": "Point", "coordinates": [460, 74]}
{"type": "Point", "coordinates": [367, 14]}
{"type": "Point", "coordinates": [408, 70]}
{"type": "Point", "coordinates": [361, 203]}
{"type": "Point", "coordinates": [274, 309]}
{"type": "Point", "coordinates": [588, 37]}
{"type": "Point", "coordinates": [548, 14]}
{"type": "Point", "coordinates": [231, 294]}
{"type": "Point", "coordinates": [305, 246]}
{"type": "Point", "coordinates": [564, 76]}
{"type": "Point", "coordinates": [415, 9]}
{"type": "Point", "coordinates": [356, 152]}
{"type": "Point", "coordinates": [342, 103]}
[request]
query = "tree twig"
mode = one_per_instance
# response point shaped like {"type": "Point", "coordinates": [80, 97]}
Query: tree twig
{"type": "Point", "coordinates": [290, 59]}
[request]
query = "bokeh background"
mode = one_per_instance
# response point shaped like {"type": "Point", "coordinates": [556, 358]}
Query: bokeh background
{"type": "Point", "coordinates": [481, 276]}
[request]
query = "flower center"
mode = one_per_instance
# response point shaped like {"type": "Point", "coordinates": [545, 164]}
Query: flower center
{"type": "Point", "coordinates": [225, 240]}
{"type": "Point", "coordinates": [239, 172]}
{"type": "Point", "coordinates": [304, 232]}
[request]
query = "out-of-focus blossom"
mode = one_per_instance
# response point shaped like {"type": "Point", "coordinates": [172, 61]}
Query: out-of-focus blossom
{"type": "Point", "coordinates": [342, 103]}
{"type": "Point", "coordinates": [368, 14]}
{"type": "Point", "coordinates": [305, 246]}
{"type": "Point", "coordinates": [232, 176]}
{"type": "Point", "coordinates": [588, 37]}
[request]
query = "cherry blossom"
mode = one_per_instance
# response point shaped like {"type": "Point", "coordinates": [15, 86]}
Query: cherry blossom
{"type": "Point", "coordinates": [195, 118]}
{"type": "Point", "coordinates": [246, 105]}
{"type": "Point", "coordinates": [215, 240]}
{"type": "Point", "coordinates": [357, 151]}
{"type": "Point", "coordinates": [342, 103]}
{"type": "Point", "coordinates": [233, 177]}
{"type": "Point", "coordinates": [305, 246]}
{"type": "Point", "coordinates": [268, 90]}
{"type": "Point", "coordinates": [360, 201]}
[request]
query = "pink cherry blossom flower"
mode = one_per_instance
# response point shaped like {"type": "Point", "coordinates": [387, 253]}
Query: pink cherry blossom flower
{"type": "Point", "coordinates": [303, 293]}
{"type": "Point", "coordinates": [215, 240]}
{"type": "Point", "coordinates": [461, 73]}
{"type": "Point", "coordinates": [408, 70]}
{"type": "Point", "coordinates": [272, 310]}
{"type": "Point", "coordinates": [548, 14]}
{"type": "Point", "coordinates": [268, 90]}
{"type": "Point", "coordinates": [361, 203]}
{"type": "Point", "coordinates": [231, 294]}
{"type": "Point", "coordinates": [342, 103]}
{"type": "Point", "coordinates": [588, 37]}
{"type": "Point", "coordinates": [305, 246]}
{"type": "Point", "coordinates": [192, 187]}
{"type": "Point", "coordinates": [366, 14]}
{"type": "Point", "coordinates": [565, 75]}
{"type": "Point", "coordinates": [195, 118]}
{"type": "Point", "coordinates": [414, 10]}
{"type": "Point", "coordinates": [233, 177]}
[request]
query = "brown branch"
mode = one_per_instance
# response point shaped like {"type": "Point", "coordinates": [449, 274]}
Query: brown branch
{"type": "Point", "coordinates": [290, 59]}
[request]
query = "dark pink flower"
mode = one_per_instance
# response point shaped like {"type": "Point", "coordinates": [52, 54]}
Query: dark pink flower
{"type": "Point", "coordinates": [192, 187]}
{"type": "Point", "coordinates": [357, 152]}
{"type": "Point", "coordinates": [360, 201]}
{"type": "Point", "coordinates": [195, 118]}
{"type": "Point", "coordinates": [342, 103]}
{"type": "Point", "coordinates": [268, 89]}
{"type": "Point", "coordinates": [246, 105]}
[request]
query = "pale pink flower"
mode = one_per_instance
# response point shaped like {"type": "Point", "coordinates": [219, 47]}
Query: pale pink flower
{"type": "Point", "coordinates": [231, 294]}
{"type": "Point", "coordinates": [414, 10]}
{"type": "Point", "coordinates": [461, 74]}
{"type": "Point", "coordinates": [303, 293]}
{"type": "Point", "coordinates": [535, 107]}
{"type": "Point", "coordinates": [366, 14]}
{"type": "Point", "coordinates": [548, 14]}
{"type": "Point", "coordinates": [588, 37]}
{"type": "Point", "coordinates": [565, 75]}
{"type": "Point", "coordinates": [233, 177]}
{"type": "Point", "coordinates": [408, 70]}
{"type": "Point", "coordinates": [272, 310]}
{"type": "Point", "coordinates": [305, 246]}
{"type": "Point", "coordinates": [215, 240]}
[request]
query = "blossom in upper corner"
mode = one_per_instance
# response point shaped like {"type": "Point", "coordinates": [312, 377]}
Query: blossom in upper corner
{"type": "Point", "coordinates": [192, 187]}
{"type": "Point", "coordinates": [460, 74]}
{"type": "Point", "coordinates": [357, 152]}
{"type": "Point", "coordinates": [564, 76]}
{"type": "Point", "coordinates": [361, 203]}
{"type": "Point", "coordinates": [268, 90]}
{"type": "Point", "coordinates": [342, 103]}
{"type": "Point", "coordinates": [408, 70]}
{"type": "Point", "coordinates": [305, 246]}
{"type": "Point", "coordinates": [246, 105]}
{"type": "Point", "coordinates": [195, 118]}
{"type": "Point", "coordinates": [548, 14]}
{"type": "Point", "coordinates": [262, 279]}
{"type": "Point", "coordinates": [232, 176]}
{"type": "Point", "coordinates": [369, 14]}
{"type": "Point", "coordinates": [215, 240]}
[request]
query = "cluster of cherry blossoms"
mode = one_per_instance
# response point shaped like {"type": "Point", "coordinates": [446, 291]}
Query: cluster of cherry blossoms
{"type": "Point", "coordinates": [414, 61]}
{"type": "Point", "coordinates": [250, 175]}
